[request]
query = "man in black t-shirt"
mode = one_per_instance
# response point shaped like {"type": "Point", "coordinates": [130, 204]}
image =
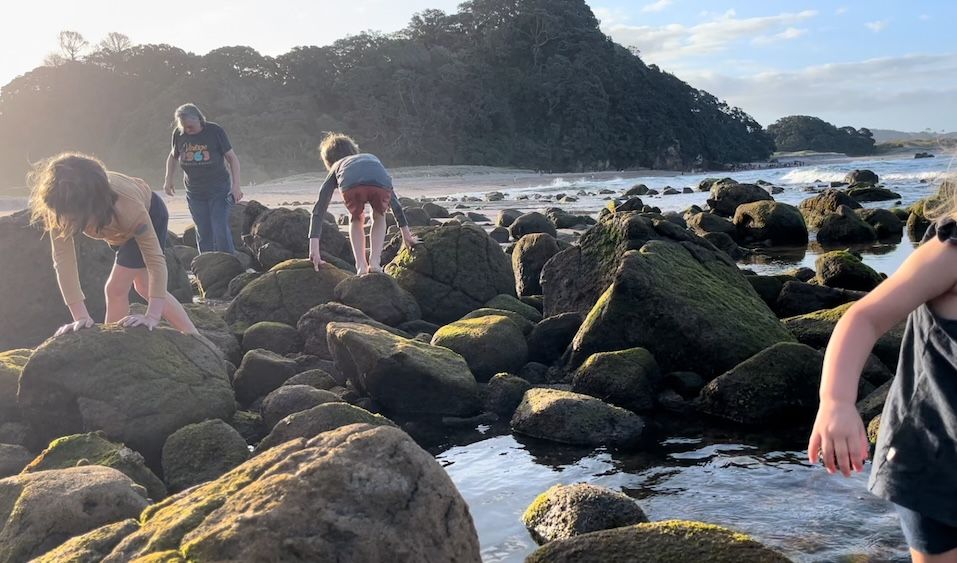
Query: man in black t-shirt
{"type": "Point", "coordinates": [211, 174]}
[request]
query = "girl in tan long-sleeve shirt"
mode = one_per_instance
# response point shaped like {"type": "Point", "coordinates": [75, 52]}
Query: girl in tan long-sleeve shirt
{"type": "Point", "coordinates": [73, 194]}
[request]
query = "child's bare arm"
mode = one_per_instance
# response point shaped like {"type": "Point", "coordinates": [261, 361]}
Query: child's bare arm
{"type": "Point", "coordinates": [838, 431]}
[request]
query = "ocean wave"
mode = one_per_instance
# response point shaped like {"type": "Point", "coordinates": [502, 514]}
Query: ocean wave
{"type": "Point", "coordinates": [813, 175]}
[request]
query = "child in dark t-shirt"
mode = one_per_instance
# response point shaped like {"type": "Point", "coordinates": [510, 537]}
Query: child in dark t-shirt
{"type": "Point", "coordinates": [361, 179]}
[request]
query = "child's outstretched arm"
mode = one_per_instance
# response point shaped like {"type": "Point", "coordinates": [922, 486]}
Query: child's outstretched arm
{"type": "Point", "coordinates": [68, 278]}
{"type": "Point", "coordinates": [318, 213]}
{"type": "Point", "coordinates": [408, 238]}
{"type": "Point", "coordinates": [838, 434]}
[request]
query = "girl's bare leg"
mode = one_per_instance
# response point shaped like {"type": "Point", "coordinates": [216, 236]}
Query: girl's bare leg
{"type": "Point", "coordinates": [117, 292]}
{"type": "Point", "coordinates": [377, 241]}
{"type": "Point", "coordinates": [357, 236]}
{"type": "Point", "coordinates": [173, 312]}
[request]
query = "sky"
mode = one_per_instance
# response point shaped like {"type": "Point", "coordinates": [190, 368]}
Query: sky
{"type": "Point", "coordinates": [881, 64]}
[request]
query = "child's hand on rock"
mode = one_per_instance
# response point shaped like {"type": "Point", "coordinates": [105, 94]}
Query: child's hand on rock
{"type": "Point", "coordinates": [75, 326]}
{"type": "Point", "coordinates": [314, 253]}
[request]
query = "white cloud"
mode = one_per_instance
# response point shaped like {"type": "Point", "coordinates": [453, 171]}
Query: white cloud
{"type": "Point", "coordinates": [657, 6]}
{"type": "Point", "coordinates": [675, 41]}
{"type": "Point", "coordinates": [876, 26]}
{"type": "Point", "coordinates": [786, 35]}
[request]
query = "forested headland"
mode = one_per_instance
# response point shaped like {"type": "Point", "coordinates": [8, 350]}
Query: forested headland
{"type": "Point", "coordinates": [521, 83]}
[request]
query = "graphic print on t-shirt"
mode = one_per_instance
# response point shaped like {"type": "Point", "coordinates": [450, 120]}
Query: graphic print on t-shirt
{"type": "Point", "coordinates": [193, 154]}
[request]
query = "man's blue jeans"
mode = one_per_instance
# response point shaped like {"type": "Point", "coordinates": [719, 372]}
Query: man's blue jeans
{"type": "Point", "coordinates": [210, 211]}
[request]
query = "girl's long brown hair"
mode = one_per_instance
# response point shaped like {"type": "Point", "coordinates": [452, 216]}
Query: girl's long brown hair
{"type": "Point", "coordinates": [69, 193]}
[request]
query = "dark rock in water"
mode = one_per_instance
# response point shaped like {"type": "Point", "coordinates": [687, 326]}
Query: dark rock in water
{"type": "Point", "coordinates": [510, 303]}
{"type": "Point", "coordinates": [136, 385]}
{"type": "Point", "coordinates": [368, 474]}
{"type": "Point", "coordinates": [704, 223]}
{"type": "Point", "coordinates": [529, 257]}
{"type": "Point", "coordinates": [845, 227]}
{"type": "Point", "coordinates": [861, 177]}
{"type": "Point", "coordinates": [574, 279]}
{"type": "Point", "coordinates": [490, 344]}
{"type": "Point", "coordinates": [669, 288]}
{"type": "Point", "coordinates": [565, 511]}
{"type": "Point", "coordinates": [653, 192]}
{"type": "Point", "coordinates": [312, 326]}
{"type": "Point", "coordinates": [551, 337]}
{"type": "Point", "coordinates": [726, 244]}
{"type": "Point", "coordinates": [776, 386]}
{"type": "Point", "coordinates": [44, 509]}
{"type": "Point", "coordinates": [477, 217]}
{"type": "Point", "coordinates": [419, 327]}
{"type": "Point", "coordinates": [94, 449]}
{"type": "Point", "coordinates": [687, 190]}
{"type": "Point", "coordinates": [637, 190]}
{"type": "Point", "coordinates": [869, 192]}
{"type": "Point", "coordinates": [563, 220]}
{"type": "Point", "coordinates": [507, 216]}
{"type": "Point", "coordinates": [435, 211]}
{"type": "Point", "coordinates": [321, 418]}
{"type": "Point", "coordinates": [799, 298]}
{"type": "Point", "coordinates": [633, 204]}
{"type": "Point", "coordinates": [770, 223]}
{"type": "Point", "coordinates": [917, 220]}
{"type": "Point", "coordinates": [572, 418]}
{"type": "Point", "coordinates": [290, 399]}
{"type": "Point", "coordinates": [626, 378]}
{"type": "Point", "coordinates": [11, 365]}
{"type": "Point", "coordinates": [453, 270]}
{"type": "Point", "coordinates": [672, 540]}
{"type": "Point", "coordinates": [404, 376]}
{"type": "Point", "coordinates": [706, 184]}
{"type": "Point", "coordinates": [670, 191]}
{"type": "Point", "coordinates": [316, 378]}
{"type": "Point", "coordinates": [13, 458]}
{"type": "Point", "coordinates": [30, 291]}
{"type": "Point", "coordinates": [93, 546]}
{"type": "Point", "coordinates": [814, 329]}
{"type": "Point", "coordinates": [214, 271]}
{"type": "Point", "coordinates": [817, 208]}
{"type": "Point", "coordinates": [279, 338]}
{"type": "Point", "coordinates": [202, 452]}
{"type": "Point", "coordinates": [500, 235]}
{"type": "Point", "coordinates": [885, 223]}
{"type": "Point", "coordinates": [416, 217]}
{"type": "Point", "coordinates": [726, 197]}
{"type": "Point", "coordinates": [530, 223]}
{"type": "Point", "coordinates": [260, 373]}
{"type": "Point", "coordinates": [237, 284]}
{"type": "Point", "coordinates": [802, 273]}
{"type": "Point", "coordinates": [768, 287]}
{"type": "Point", "coordinates": [494, 196]}
{"type": "Point", "coordinates": [380, 297]}
{"type": "Point", "coordinates": [504, 393]}
{"type": "Point", "coordinates": [686, 383]}
{"type": "Point", "coordinates": [923, 155]}
{"type": "Point", "coordinates": [844, 270]}
{"type": "Point", "coordinates": [284, 294]}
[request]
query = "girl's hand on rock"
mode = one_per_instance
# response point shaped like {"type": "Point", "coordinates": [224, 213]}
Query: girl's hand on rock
{"type": "Point", "coordinates": [75, 326]}
{"type": "Point", "coordinates": [139, 320]}
{"type": "Point", "coordinates": [838, 438]}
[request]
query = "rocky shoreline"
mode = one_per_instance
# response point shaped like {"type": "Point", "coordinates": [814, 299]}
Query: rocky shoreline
{"type": "Point", "coordinates": [284, 432]}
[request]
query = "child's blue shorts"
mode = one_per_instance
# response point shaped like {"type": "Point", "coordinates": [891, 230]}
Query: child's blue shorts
{"type": "Point", "coordinates": [926, 535]}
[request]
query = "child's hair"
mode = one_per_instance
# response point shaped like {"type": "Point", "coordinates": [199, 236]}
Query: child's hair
{"type": "Point", "coordinates": [335, 147]}
{"type": "Point", "coordinates": [70, 192]}
{"type": "Point", "coordinates": [187, 110]}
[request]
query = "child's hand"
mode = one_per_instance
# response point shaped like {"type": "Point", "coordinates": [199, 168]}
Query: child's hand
{"type": "Point", "coordinates": [408, 238]}
{"type": "Point", "coordinates": [314, 253]}
{"type": "Point", "coordinates": [131, 321]}
{"type": "Point", "coordinates": [75, 326]}
{"type": "Point", "coordinates": [839, 437]}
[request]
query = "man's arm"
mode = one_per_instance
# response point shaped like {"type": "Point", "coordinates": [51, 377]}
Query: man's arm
{"type": "Point", "coordinates": [170, 170]}
{"type": "Point", "coordinates": [233, 161]}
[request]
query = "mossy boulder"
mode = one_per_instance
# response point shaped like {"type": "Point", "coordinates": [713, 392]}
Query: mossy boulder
{"type": "Point", "coordinates": [435, 210]}
{"type": "Point", "coordinates": [565, 511]}
{"type": "Point", "coordinates": [94, 449]}
{"type": "Point", "coordinates": [276, 337]}
{"type": "Point", "coordinates": [506, 217]}
{"type": "Point", "coordinates": [689, 306]}
{"type": "Point", "coordinates": [290, 399]}
{"type": "Point", "coordinates": [511, 303]}
{"type": "Point", "coordinates": [845, 227]}
{"type": "Point", "coordinates": [285, 232]}
{"type": "Point", "coordinates": [844, 270]}
{"type": "Point", "coordinates": [260, 373]}
{"type": "Point", "coordinates": [13, 458]}
{"type": "Point", "coordinates": [201, 452]}
{"type": "Point", "coordinates": [503, 394]}
{"type": "Point", "coordinates": [572, 418]}
{"type": "Point", "coordinates": [725, 197]}
{"type": "Point", "coordinates": [814, 329]}
{"type": "Point", "coordinates": [380, 297]}
{"type": "Point", "coordinates": [885, 223]}
{"type": "Point", "coordinates": [314, 324]}
{"type": "Point", "coordinates": [770, 223]}
{"type": "Point", "coordinates": [776, 386]}
{"type": "Point", "coordinates": [816, 209]}
{"type": "Point", "coordinates": [868, 192]}
{"type": "Point", "coordinates": [137, 386]}
{"type": "Point", "coordinates": [530, 223]}
{"type": "Point", "coordinates": [626, 378]}
{"type": "Point", "coordinates": [657, 542]}
{"type": "Point", "coordinates": [490, 344]}
{"type": "Point", "coordinates": [321, 418]}
{"type": "Point", "coordinates": [918, 221]}
{"type": "Point", "coordinates": [214, 271]}
{"type": "Point", "coordinates": [39, 511]}
{"type": "Point", "coordinates": [317, 378]}
{"type": "Point", "coordinates": [404, 376]}
{"type": "Point", "coordinates": [250, 426]}
{"type": "Point", "coordinates": [453, 270]}
{"type": "Point", "coordinates": [874, 429]}
{"type": "Point", "coordinates": [237, 284]}
{"type": "Point", "coordinates": [529, 256]}
{"type": "Point", "coordinates": [704, 223]}
{"type": "Point", "coordinates": [30, 304]}
{"type": "Point", "coordinates": [521, 321]}
{"type": "Point", "coordinates": [91, 547]}
{"type": "Point", "coordinates": [284, 294]}
{"type": "Point", "coordinates": [799, 298]}
{"type": "Point", "coordinates": [574, 279]}
{"type": "Point", "coordinates": [373, 482]}
{"type": "Point", "coordinates": [551, 337]}
{"type": "Point", "coordinates": [11, 364]}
